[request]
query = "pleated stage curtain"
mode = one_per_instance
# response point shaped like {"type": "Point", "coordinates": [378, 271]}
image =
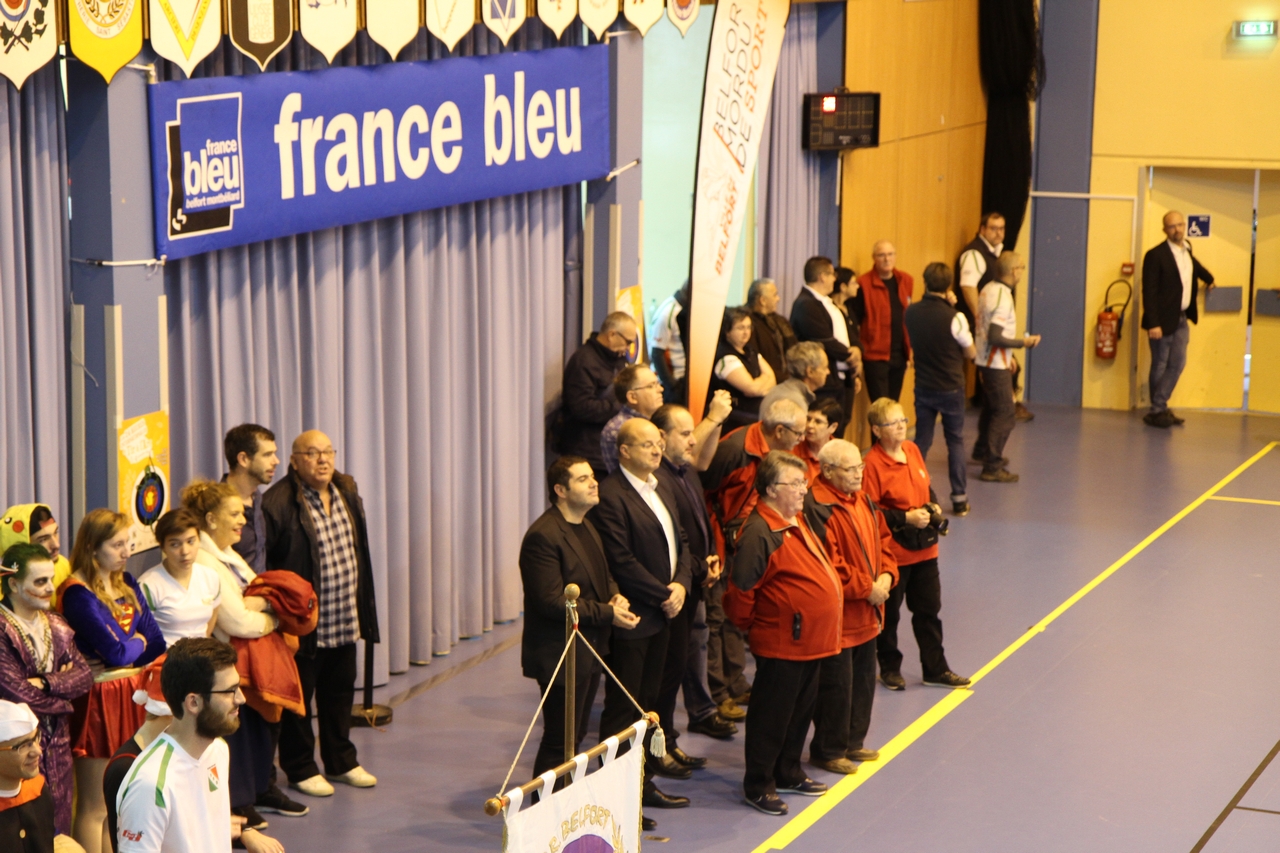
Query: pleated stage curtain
{"type": "Point", "coordinates": [427, 346]}
{"type": "Point", "coordinates": [787, 184]}
{"type": "Point", "coordinates": [33, 296]}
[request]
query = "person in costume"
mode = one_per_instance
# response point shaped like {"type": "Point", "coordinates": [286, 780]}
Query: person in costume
{"type": "Point", "coordinates": [40, 665]}
{"type": "Point", "coordinates": [117, 634]}
{"type": "Point", "coordinates": [35, 523]}
{"type": "Point", "coordinates": [26, 802]}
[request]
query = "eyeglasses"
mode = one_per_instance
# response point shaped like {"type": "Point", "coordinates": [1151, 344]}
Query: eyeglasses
{"type": "Point", "coordinates": [651, 445]}
{"type": "Point", "coordinates": [857, 469]}
{"type": "Point", "coordinates": [802, 485]}
{"type": "Point", "coordinates": [649, 387]}
{"type": "Point", "coordinates": [313, 454]}
{"type": "Point", "coordinates": [230, 691]}
{"type": "Point", "coordinates": [796, 432]}
{"type": "Point", "coordinates": [898, 422]}
{"type": "Point", "coordinates": [23, 746]}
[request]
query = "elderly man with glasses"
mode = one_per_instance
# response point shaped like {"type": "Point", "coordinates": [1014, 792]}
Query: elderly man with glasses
{"type": "Point", "coordinates": [316, 528]}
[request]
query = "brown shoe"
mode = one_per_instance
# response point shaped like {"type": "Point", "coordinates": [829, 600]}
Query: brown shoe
{"type": "Point", "coordinates": [1001, 475]}
{"type": "Point", "coordinates": [731, 710]}
{"type": "Point", "coordinates": [837, 765]}
{"type": "Point", "coordinates": [864, 754]}
{"type": "Point", "coordinates": [1022, 413]}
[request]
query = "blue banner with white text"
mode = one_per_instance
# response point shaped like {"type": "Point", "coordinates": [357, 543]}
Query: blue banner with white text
{"type": "Point", "coordinates": [235, 160]}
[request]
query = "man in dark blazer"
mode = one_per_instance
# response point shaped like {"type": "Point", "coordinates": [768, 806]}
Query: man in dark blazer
{"type": "Point", "coordinates": [639, 523]}
{"type": "Point", "coordinates": [813, 317]}
{"type": "Point", "coordinates": [1170, 279]}
{"type": "Point", "coordinates": [561, 547]}
{"type": "Point", "coordinates": [589, 400]}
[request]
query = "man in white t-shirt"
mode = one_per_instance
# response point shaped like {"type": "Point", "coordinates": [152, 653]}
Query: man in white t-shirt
{"type": "Point", "coordinates": [183, 595]}
{"type": "Point", "coordinates": [176, 799]}
{"type": "Point", "coordinates": [997, 329]}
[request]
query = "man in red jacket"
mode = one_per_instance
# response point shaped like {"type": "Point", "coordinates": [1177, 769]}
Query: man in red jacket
{"type": "Point", "coordinates": [857, 537]}
{"type": "Point", "coordinates": [789, 599]}
{"type": "Point", "coordinates": [884, 292]}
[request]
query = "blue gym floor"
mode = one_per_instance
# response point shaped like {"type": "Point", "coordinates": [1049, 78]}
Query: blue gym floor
{"type": "Point", "coordinates": [1142, 718]}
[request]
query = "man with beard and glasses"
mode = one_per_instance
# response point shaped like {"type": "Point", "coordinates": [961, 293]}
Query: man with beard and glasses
{"type": "Point", "coordinates": [176, 798]}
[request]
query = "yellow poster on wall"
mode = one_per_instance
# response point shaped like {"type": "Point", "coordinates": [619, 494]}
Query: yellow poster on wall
{"type": "Point", "coordinates": [631, 301]}
{"type": "Point", "coordinates": [142, 459]}
{"type": "Point", "coordinates": [105, 34]}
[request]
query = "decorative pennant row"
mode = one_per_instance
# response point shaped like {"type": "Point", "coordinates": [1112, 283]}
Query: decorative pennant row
{"type": "Point", "coordinates": [504, 17]}
{"type": "Point", "coordinates": [28, 37]}
{"type": "Point", "coordinates": [598, 15]}
{"type": "Point", "coordinates": [682, 13]}
{"type": "Point", "coordinates": [557, 14]}
{"type": "Point", "coordinates": [642, 14]}
{"type": "Point", "coordinates": [450, 20]}
{"type": "Point", "coordinates": [105, 34]}
{"type": "Point", "coordinates": [260, 28]}
{"type": "Point", "coordinates": [391, 23]}
{"type": "Point", "coordinates": [328, 25]}
{"type": "Point", "coordinates": [185, 31]}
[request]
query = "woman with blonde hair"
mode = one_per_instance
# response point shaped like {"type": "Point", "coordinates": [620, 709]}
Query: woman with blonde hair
{"type": "Point", "coordinates": [117, 635]}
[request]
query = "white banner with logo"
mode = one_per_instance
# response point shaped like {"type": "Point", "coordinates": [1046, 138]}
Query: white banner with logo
{"type": "Point", "coordinates": [746, 38]}
{"type": "Point", "coordinates": [598, 813]}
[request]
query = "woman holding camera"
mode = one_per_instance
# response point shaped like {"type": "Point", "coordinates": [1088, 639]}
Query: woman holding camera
{"type": "Point", "coordinates": [898, 481]}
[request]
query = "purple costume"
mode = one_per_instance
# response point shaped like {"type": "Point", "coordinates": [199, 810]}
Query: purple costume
{"type": "Point", "coordinates": [53, 708]}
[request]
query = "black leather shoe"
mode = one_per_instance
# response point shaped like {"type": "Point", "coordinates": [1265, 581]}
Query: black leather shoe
{"type": "Point", "coordinates": [768, 803]}
{"type": "Point", "coordinates": [714, 726]}
{"type": "Point", "coordinates": [947, 679]}
{"type": "Point", "coordinates": [667, 766]}
{"type": "Point", "coordinates": [684, 759]}
{"type": "Point", "coordinates": [806, 787]}
{"type": "Point", "coordinates": [1174, 419]}
{"type": "Point", "coordinates": [648, 824]}
{"type": "Point", "coordinates": [653, 798]}
{"type": "Point", "coordinates": [893, 680]}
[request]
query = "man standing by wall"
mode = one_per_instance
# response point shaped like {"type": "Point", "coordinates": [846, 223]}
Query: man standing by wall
{"type": "Point", "coordinates": [315, 526]}
{"type": "Point", "coordinates": [814, 317]}
{"type": "Point", "coordinates": [884, 292]}
{"type": "Point", "coordinates": [252, 460]}
{"type": "Point", "coordinates": [589, 401]}
{"type": "Point", "coordinates": [1171, 277]}
{"type": "Point", "coordinates": [771, 333]}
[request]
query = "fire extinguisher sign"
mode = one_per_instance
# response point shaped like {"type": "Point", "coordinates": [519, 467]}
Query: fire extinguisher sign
{"type": "Point", "coordinates": [1198, 225]}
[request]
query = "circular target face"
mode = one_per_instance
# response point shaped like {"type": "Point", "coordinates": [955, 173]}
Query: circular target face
{"type": "Point", "coordinates": [149, 497]}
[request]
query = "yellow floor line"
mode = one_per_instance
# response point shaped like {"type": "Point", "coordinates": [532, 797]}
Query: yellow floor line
{"type": "Point", "coordinates": [795, 827]}
{"type": "Point", "coordinates": [1246, 501]}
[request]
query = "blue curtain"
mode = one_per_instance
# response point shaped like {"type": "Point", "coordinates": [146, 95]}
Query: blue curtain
{"type": "Point", "coordinates": [427, 346]}
{"type": "Point", "coordinates": [33, 295]}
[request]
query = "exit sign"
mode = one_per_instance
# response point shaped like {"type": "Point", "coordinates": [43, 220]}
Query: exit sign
{"type": "Point", "coordinates": [1254, 29]}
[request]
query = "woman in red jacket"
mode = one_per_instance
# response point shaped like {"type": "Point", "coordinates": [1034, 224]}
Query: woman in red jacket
{"type": "Point", "coordinates": [898, 481]}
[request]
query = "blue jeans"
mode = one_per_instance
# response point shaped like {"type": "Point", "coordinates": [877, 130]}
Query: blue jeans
{"type": "Point", "coordinates": [1168, 358]}
{"type": "Point", "coordinates": [949, 404]}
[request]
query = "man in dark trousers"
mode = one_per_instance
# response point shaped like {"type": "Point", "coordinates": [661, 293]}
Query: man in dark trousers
{"type": "Point", "coordinates": [639, 524]}
{"type": "Point", "coordinates": [587, 390]}
{"type": "Point", "coordinates": [814, 317]}
{"type": "Point", "coordinates": [1171, 277]}
{"type": "Point", "coordinates": [562, 547]}
{"type": "Point", "coordinates": [315, 527]}
{"type": "Point", "coordinates": [884, 292]}
{"type": "Point", "coordinates": [941, 340]}
{"type": "Point", "coordinates": [771, 333]}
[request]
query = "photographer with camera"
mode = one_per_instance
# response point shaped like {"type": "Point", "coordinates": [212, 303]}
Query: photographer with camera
{"type": "Point", "coordinates": [897, 480]}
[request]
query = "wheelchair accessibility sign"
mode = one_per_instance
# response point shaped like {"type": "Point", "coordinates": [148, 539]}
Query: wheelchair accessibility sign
{"type": "Point", "coordinates": [1198, 225]}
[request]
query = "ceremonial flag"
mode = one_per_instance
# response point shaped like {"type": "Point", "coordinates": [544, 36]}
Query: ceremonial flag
{"type": "Point", "coordinates": [598, 14]}
{"type": "Point", "coordinates": [327, 25]}
{"type": "Point", "coordinates": [450, 20]}
{"type": "Point", "coordinates": [105, 34]}
{"type": "Point", "coordinates": [682, 13]}
{"type": "Point", "coordinates": [557, 14]}
{"type": "Point", "coordinates": [642, 14]}
{"type": "Point", "coordinates": [392, 23]}
{"type": "Point", "coordinates": [185, 31]}
{"type": "Point", "coordinates": [745, 43]}
{"type": "Point", "coordinates": [260, 28]}
{"type": "Point", "coordinates": [28, 37]}
{"type": "Point", "coordinates": [504, 17]}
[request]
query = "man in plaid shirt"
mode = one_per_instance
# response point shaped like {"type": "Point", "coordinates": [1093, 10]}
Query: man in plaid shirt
{"type": "Point", "coordinates": [315, 527]}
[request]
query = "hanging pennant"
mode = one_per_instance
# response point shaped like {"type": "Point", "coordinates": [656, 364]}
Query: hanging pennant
{"type": "Point", "coordinates": [642, 14]}
{"type": "Point", "coordinates": [28, 37]}
{"type": "Point", "coordinates": [391, 23]}
{"type": "Point", "coordinates": [260, 28]}
{"type": "Point", "coordinates": [185, 31]}
{"type": "Point", "coordinates": [504, 17]}
{"type": "Point", "coordinates": [105, 34]}
{"type": "Point", "coordinates": [682, 13]}
{"type": "Point", "coordinates": [327, 25]}
{"type": "Point", "coordinates": [557, 14]}
{"type": "Point", "coordinates": [598, 15]}
{"type": "Point", "coordinates": [450, 20]}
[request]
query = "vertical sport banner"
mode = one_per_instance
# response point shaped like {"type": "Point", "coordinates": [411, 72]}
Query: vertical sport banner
{"type": "Point", "coordinates": [142, 463]}
{"type": "Point", "coordinates": [746, 38]}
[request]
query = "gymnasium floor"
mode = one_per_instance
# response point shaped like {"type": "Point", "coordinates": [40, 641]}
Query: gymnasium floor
{"type": "Point", "coordinates": [1140, 717]}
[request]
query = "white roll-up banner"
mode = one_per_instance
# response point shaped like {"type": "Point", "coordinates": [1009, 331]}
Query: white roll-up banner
{"type": "Point", "coordinates": [746, 38]}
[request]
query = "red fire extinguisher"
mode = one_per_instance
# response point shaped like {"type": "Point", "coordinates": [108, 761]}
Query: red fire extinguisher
{"type": "Point", "coordinates": [1111, 322]}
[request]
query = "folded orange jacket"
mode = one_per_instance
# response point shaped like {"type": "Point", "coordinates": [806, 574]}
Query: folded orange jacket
{"type": "Point", "coordinates": [268, 672]}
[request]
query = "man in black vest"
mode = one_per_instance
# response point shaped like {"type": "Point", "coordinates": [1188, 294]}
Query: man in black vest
{"type": "Point", "coordinates": [976, 264]}
{"type": "Point", "coordinates": [1170, 278]}
{"type": "Point", "coordinates": [941, 340]}
{"type": "Point", "coordinates": [562, 547]}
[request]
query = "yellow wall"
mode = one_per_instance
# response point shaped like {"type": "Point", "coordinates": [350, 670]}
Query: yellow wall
{"type": "Point", "coordinates": [1173, 89]}
{"type": "Point", "coordinates": [922, 188]}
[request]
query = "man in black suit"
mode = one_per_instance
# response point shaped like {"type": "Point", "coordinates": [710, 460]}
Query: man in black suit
{"type": "Point", "coordinates": [639, 523]}
{"type": "Point", "coordinates": [589, 400]}
{"type": "Point", "coordinates": [814, 317]}
{"type": "Point", "coordinates": [1170, 279]}
{"type": "Point", "coordinates": [562, 547]}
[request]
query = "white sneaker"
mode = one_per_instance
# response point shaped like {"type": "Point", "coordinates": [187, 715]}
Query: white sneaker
{"type": "Point", "coordinates": [356, 777]}
{"type": "Point", "coordinates": [316, 786]}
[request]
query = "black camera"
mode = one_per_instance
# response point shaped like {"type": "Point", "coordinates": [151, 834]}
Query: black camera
{"type": "Point", "coordinates": [936, 520]}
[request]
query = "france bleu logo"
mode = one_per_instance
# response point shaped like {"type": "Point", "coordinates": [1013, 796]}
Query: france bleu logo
{"type": "Point", "coordinates": [206, 165]}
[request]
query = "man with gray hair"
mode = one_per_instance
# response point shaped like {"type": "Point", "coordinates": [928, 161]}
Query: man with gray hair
{"type": "Point", "coordinates": [809, 368]}
{"type": "Point", "coordinates": [771, 333]}
{"type": "Point", "coordinates": [589, 400]}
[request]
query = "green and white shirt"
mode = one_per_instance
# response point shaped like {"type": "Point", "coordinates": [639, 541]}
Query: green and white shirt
{"type": "Point", "coordinates": [174, 803]}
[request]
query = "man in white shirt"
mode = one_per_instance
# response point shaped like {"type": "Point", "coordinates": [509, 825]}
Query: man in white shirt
{"type": "Point", "coordinates": [183, 595]}
{"type": "Point", "coordinates": [997, 329]}
{"type": "Point", "coordinates": [176, 797]}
